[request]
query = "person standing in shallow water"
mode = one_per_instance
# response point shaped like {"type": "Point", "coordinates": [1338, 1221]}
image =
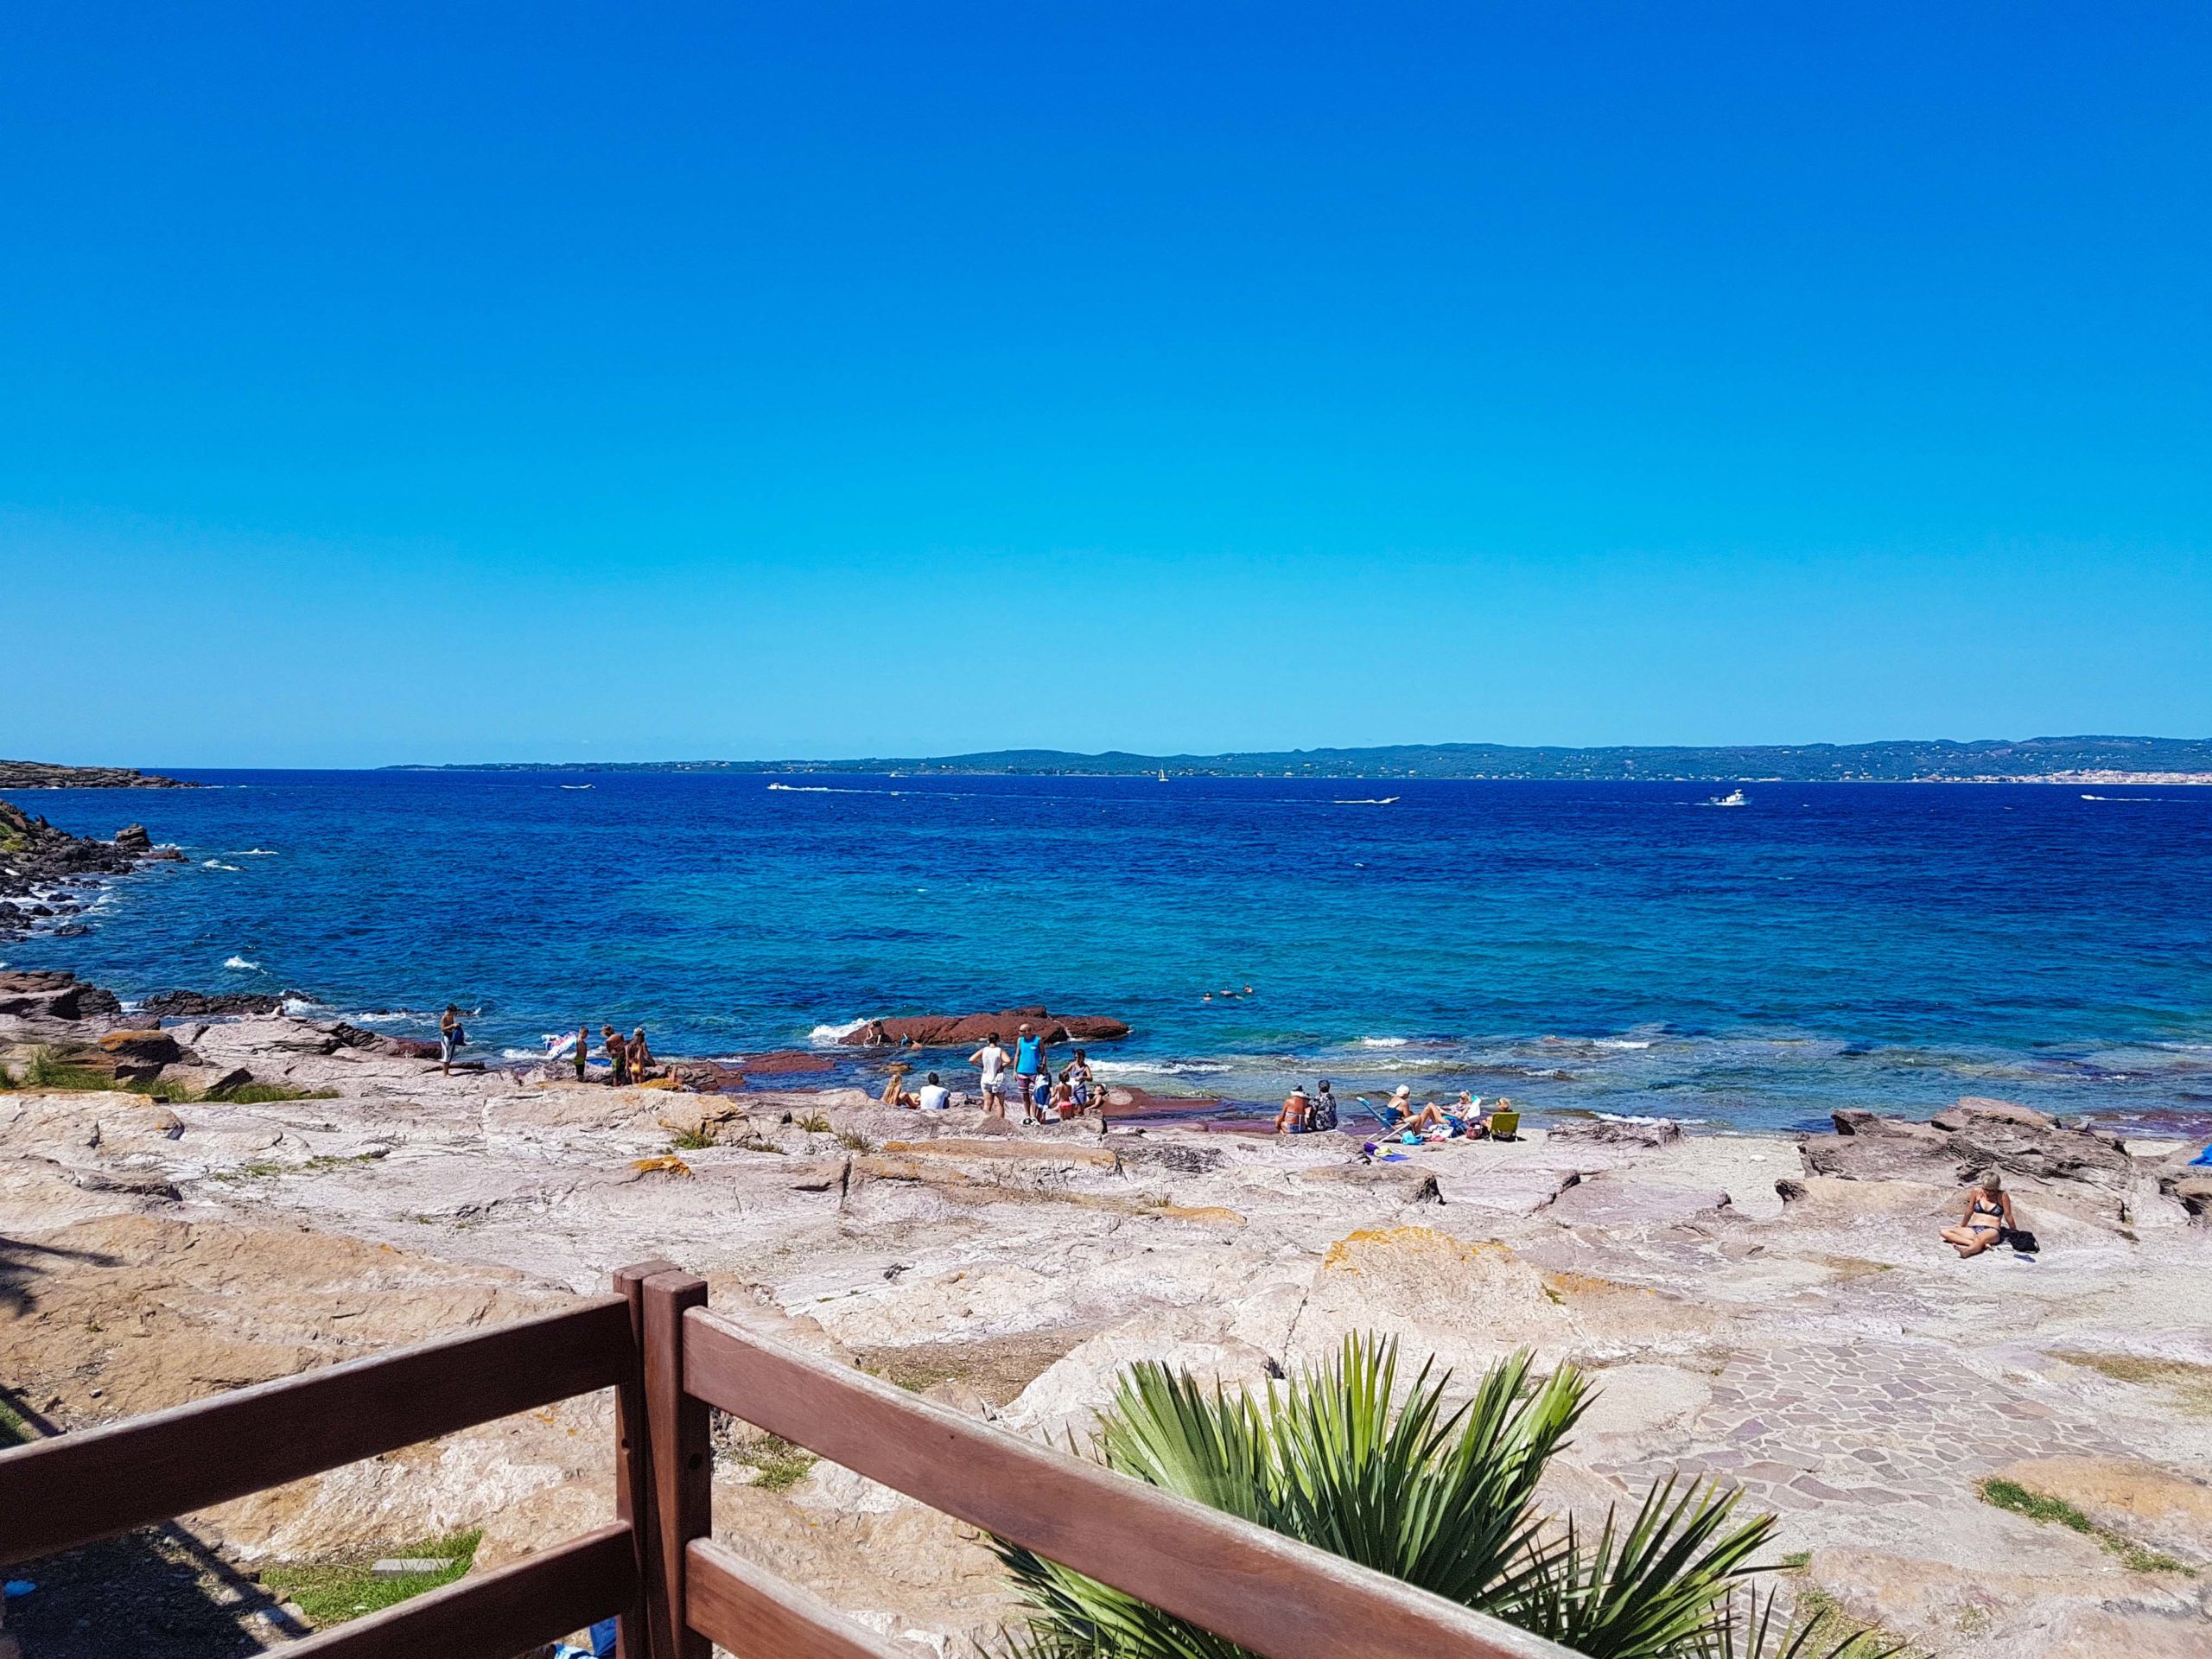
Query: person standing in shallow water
{"type": "Point", "coordinates": [618, 1053]}
{"type": "Point", "coordinates": [451, 1037]}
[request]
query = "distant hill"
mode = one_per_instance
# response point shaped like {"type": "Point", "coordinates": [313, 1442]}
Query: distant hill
{"type": "Point", "coordinates": [40, 774]}
{"type": "Point", "coordinates": [2054, 759]}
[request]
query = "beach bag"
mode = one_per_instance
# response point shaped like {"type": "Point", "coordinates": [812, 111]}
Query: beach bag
{"type": "Point", "coordinates": [2023, 1241]}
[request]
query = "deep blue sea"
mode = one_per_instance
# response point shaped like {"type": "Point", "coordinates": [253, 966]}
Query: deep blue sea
{"type": "Point", "coordinates": [1626, 948]}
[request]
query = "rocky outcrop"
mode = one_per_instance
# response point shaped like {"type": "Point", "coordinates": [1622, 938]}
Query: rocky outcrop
{"type": "Point", "coordinates": [1974, 1136]}
{"type": "Point", "coordinates": [189, 1005]}
{"type": "Point", "coordinates": [40, 774]}
{"type": "Point", "coordinates": [962, 1030]}
{"type": "Point", "coordinates": [57, 997]}
{"type": "Point", "coordinates": [47, 873]}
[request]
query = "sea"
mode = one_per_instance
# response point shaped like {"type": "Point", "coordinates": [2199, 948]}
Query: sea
{"type": "Point", "coordinates": [1744, 957]}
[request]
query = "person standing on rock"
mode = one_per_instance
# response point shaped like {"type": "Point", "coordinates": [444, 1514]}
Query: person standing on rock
{"type": "Point", "coordinates": [991, 1062]}
{"type": "Point", "coordinates": [451, 1037]}
{"type": "Point", "coordinates": [641, 1057]}
{"type": "Point", "coordinates": [618, 1053]}
{"type": "Point", "coordinates": [1030, 1064]}
{"type": "Point", "coordinates": [583, 1051]}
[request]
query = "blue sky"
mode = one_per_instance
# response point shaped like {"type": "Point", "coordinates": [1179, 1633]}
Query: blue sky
{"type": "Point", "coordinates": [549, 381]}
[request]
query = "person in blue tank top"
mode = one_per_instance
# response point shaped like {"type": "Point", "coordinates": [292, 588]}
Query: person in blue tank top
{"type": "Point", "coordinates": [1029, 1064]}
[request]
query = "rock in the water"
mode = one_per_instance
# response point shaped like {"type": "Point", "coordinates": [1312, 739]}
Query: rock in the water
{"type": "Point", "coordinates": [957, 1031]}
{"type": "Point", "coordinates": [182, 1005]}
{"type": "Point", "coordinates": [133, 838]}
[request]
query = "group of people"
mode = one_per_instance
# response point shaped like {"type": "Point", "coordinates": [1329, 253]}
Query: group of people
{"type": "Point", "coordinates": [1467, 1118]}
{"type": "Point", "coordinates": [1024, 1075]}
{"type": "Point", "coordinates": [629, 1059]}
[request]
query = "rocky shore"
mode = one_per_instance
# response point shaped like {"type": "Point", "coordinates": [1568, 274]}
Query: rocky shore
{"type": "Point", "coordinates": [255, 1194]}
{"type": "Point", "coordinates": [40, 774]}
{"type": "Point", "coordinates": [47, 876]}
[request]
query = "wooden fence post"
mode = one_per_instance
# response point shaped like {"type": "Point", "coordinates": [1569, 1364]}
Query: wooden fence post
{"type": "Point", "coordinates": [634, 1468]}
{"type": "Point", "coordinates": [683, 1459]}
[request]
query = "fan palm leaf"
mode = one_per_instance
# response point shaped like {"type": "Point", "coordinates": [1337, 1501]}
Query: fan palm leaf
{"type": "Point", "coordinates": [1440, 1497]}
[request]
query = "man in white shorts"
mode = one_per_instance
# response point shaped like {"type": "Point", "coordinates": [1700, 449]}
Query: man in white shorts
{"type": "Point", "coordinates": [991, 1062]}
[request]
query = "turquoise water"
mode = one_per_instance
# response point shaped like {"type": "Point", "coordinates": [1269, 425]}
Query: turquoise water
{"type": "Point", "coordinates": [1626, 948]}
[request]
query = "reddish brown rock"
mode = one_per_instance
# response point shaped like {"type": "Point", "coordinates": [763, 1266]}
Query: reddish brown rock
{"type": "Point", "coordinates": [53, 996]}
{"type": "Point", "coordinates": [143, 1047]}
{"type": "Point", "coordinates": [785, 1062]}
{"type": "Point", "coordinates": [959, 1030]}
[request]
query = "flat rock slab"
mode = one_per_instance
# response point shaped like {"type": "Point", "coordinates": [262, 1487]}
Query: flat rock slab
{"type": "Point", "coordinates": [1607, 1200]}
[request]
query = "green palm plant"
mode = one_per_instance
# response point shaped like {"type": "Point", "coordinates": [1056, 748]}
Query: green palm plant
{"type": "Point", "coordinates": [1442, 1498]}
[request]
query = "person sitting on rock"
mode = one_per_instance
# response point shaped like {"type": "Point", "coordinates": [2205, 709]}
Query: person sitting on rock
{"type": "Point", "coordinates": [934, 1096]}
{"type": "Point", "coordinates": [894, 1086]}
{"type": "Point", "coordinates": [1081, 1084]}
{"type": "Point", "coordinates": [1988, 1217]}
{"type": "Point", "coordinates": [1295, 1109]}
{"type": "Point", "coordinates": [1469, 1117]}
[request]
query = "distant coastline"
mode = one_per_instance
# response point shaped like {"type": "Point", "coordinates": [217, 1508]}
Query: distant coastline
{"type": "Point", "coordinates": [2086, 761]}
{"type": "Point", "coordinates": [40, 774]}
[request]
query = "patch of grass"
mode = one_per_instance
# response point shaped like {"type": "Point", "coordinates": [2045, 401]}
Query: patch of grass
{"type": "Point", "coordinates": [756, 1143]}
{"type": "Point", "coordinates": [177, 1094]}
{"type": "Point", "coordinates": [778, 1464]}
{"type": "Point", "coordinates": [13, 1431]}
{"type": "Point", "coordinates": [814, 1122]}
{"type": "Point", "coordinates": [323, 1160]}
{"type": "Point", "coordinates": [1823, 1628]}
{"type": "Point", "coordinates": [48, 1068]}
{"type": "Point", "coordinates": [250, 1172]}
{"type": "Point", "coordinates": [2189, 1383]}
{"type": "Point", "coordinates": [689, 1140]}
{"type": "Point", "coordinates": [1797, 1560]}
{"type": "Point", "coordinates": [2040, 1506]}
{"type": "Point", "coordinates": [260, 1094]}
{"type": "Point", "coordinates": [853, 1140]}
{"type": "Point", "coordinates": [331, 1592]}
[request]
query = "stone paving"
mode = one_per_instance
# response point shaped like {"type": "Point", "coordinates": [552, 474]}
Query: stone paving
{"type": "Point", "coordinates": [1806, 1427]}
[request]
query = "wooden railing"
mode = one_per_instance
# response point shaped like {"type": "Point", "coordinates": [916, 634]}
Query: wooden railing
{"type": "Point", "coordinates": [657, 1568]}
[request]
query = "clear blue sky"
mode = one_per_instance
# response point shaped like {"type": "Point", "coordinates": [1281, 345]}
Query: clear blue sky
{"type": "Point", "coordinates": [463, 382]}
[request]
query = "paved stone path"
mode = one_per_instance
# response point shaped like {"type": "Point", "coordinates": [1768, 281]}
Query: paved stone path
{"type": "Point", "coordinates": [1807, 1426]}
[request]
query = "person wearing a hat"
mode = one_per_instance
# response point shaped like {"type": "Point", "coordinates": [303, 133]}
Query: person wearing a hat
{"type": "Point", "coordinates": [1292, 1119]}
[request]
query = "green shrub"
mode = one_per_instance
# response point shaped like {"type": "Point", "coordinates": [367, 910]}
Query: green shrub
{"type": "Point", "coordinates": [1444, 1500]}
